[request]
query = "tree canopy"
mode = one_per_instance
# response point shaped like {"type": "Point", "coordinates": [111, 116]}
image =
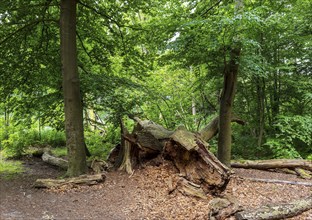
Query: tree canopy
{"type": "Point", "coordinates": [165, 61]}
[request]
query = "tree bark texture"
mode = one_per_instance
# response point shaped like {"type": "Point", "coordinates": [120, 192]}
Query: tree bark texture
{"type": "Point", "coordinates": [187, 151]}
{"type": "Point", "coordinates": [277, 181]}
{"type": "Point", "coordinates": [59, 162]}
{"type": "Point", "coordinates": [71, 91]}
{"type": "Point", "coordinates": [280, 211]}
{"type": "Point", "coordinates": [80, 180]}
{"type": "Point", "coordinates": [273, 164]}
{"type": "Point", "coordinates": [226, 105]}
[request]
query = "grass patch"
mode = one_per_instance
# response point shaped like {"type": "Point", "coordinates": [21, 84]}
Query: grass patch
{"type": "Point", "coordinates": [10, 168]}
{"type": "Point", "coordinates": [59, 151]}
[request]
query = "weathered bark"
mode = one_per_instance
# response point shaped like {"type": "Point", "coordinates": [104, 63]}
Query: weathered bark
{"type": "Point", "coordinates": [226, 105]}
{"type": "Point", "coordinates": [280, 211]}
{"type": "Point", "coordinates": [277, 181]}
{"type": "Point", "coordinates": [128, 154]}
{"type": "Point", "coordinates": [59, 162]}
{"type": "Point", "coordinates": [190, 155]}
{"type": "Point", "coordinates": [98, 166]}
{"type": "Point", "coordinates": [189, 188]}
{"type": "Point", "coordinates": [273, 164]}
{"type": "Point", "coordinates": [304, 174]}
{"type": "Point", "coordinates": [222, 208]}
{"type": "Point", "coordinates": [186, 150]}
{"type": "Point", "coordinates": [80, 180]}
{"type": "Point", "coordinates": [71, 91]}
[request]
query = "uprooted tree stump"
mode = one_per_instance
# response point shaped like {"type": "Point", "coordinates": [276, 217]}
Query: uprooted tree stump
{"type": "Point", "coordinates": [202, 171]}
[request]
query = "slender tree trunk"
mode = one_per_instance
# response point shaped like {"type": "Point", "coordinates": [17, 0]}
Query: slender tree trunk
{"type": "Point", "coordinates": [227, 97]}
{"type": "Point", "coordinates": [71, 91]}
{"type": "Point", "coordinates": [226, 105]}
{"type": "Point", "coordinates": [261, 108]}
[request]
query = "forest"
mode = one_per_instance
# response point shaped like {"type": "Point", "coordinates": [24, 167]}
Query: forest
{"type": "Point", "coordinates": [192, 98]}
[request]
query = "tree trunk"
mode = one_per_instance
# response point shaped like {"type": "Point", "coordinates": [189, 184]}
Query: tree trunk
{"type": "Point", "coordinates": [226, 105]}
{"type": "Point", "coordinates": [273, 164]}
{"type": "Point", "coordinates": [71, 91]}
{"type": "Point", "coordinates": [281, 211]}
{"type": "Point", "coordinates": [261, 108]}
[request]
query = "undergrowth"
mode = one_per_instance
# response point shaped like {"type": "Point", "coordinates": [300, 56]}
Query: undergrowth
{"type": "Point", "coordinates": [10, 168]}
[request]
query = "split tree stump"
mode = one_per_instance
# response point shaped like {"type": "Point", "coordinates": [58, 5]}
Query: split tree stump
{"type": "Point", "coordinates": [187, 151]}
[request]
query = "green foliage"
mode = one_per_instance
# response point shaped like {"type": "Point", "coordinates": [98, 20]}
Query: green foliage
{"type": "Point", "coordinates": [9, 168]}
{"type": "Point", "coordinates": [15, 139]}
{"type": "Point", "coordinates": [99, 144]}
{"type": "Point", "coordinates": [296, 133]}
{"type": "Point", "coordinates": [18, 140]}
{"type": "Point", "coordinates": [52, 137]}
{"type": "Point", "coordinates": [281, 149]}
{"type": "Point", "coordinates": [158, 59]}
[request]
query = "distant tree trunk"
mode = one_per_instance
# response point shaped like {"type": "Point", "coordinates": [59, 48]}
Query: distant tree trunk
{"type": "Point", "coordinates": [261, 108]}
{"type": "Point", "coordinates": [71, 91]}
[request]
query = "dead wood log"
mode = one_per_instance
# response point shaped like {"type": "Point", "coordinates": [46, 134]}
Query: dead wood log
{"type": "Point", "coordinates": [273, 164]}
{"type": "Point", "coordinates": [222, 208]}
{"type": "Point", "coordinates": [80, 180]}
{"type": "Point", "coordinates": [304, 174]}
{"type": "Point", "coordinates": [98, 166]}
{"type": "Point", "coordinates": [185, 149]}
{"type": "Point", "coordinates": [56, 161]}
{"type": "Point", "coordinates": [190, 155]}
{"type": "Point", "coordinates": [191, 189]}
{"type": "Point", "coordinates": [281, 211]}
{"type": "Point", "coordinates": [277, 181]}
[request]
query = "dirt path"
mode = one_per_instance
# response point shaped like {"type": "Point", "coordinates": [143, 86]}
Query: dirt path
{"type": "Point", "coordinates": [144, 195]}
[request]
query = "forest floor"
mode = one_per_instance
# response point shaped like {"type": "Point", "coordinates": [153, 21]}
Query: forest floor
{"type": "Point", "coordinates": [143, 195]}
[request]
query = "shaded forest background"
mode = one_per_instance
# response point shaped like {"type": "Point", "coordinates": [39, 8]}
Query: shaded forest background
{"type": "Point", "coordinates": [163, 61]}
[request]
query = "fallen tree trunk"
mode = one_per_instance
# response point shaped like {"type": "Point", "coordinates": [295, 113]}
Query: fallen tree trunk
{"type": "Point", "coordinates": [299, 167]}
{"type": "Point", "coordinates": [277, 181]}
{"type": "Point", "coordinates": [281, 211]}
{"type": "Point", "coordinates": [273, 164]}
{"type": "Point", "coordinates": [56, 161]}
{"type": "Point", "coordinates": [80, 180]}
{"type": "Point", "coordinates": [98, 166]}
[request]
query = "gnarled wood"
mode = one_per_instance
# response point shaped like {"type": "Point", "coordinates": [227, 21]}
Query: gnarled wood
{"type": "Point", "coordinates": [277, 181]}
{"type": "Point", "coordinates": [190, 155]}
{"type": "Point", "coordinates": [281, 211]}
{"type": "Point", "coordinates": [187, 150]}
{"type": "Point", "coordinates": [80, 180]}
{"type": "Point", "coordinates": [222, 208]}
